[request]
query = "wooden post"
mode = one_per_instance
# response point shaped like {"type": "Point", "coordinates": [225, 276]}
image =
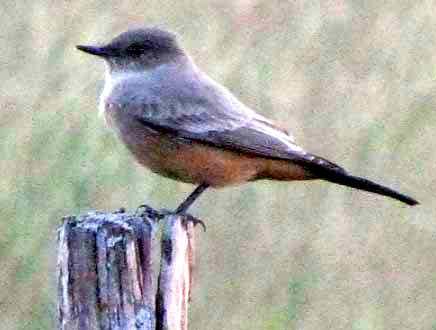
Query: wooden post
{"type": "Point", "coordinates": [175, 277]}
{"type": "Point", "coordinates": [105, 277]}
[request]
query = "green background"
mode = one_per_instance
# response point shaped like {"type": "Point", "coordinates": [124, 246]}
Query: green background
{"type": "Point", "coordinates": [354, 81]}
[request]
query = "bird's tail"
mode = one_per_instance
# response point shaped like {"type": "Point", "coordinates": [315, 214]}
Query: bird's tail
{"type": "Point", "coordinates": [331, 172]}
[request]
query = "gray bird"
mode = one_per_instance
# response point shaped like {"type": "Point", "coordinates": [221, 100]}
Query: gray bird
{"type": "Point", "coordinates": [181, 124]}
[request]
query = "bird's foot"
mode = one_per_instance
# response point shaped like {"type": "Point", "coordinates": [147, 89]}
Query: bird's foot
{"type": "Point", "coordinates": [149, 211]}
{"type": "Point", "coordinates": [186, 216]}
{"type": "Point", "coordinates": [162, 213]}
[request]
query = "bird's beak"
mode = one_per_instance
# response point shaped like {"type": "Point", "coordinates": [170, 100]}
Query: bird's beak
{"type": "Point", "coordinates": [98, 51]}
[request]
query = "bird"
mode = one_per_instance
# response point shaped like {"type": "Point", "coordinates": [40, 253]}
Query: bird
{"type": "Point", "coordinates": [181, 124]}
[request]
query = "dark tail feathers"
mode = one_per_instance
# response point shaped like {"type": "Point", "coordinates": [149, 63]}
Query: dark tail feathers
{"type": "Point", "coordinates": [328, 171]}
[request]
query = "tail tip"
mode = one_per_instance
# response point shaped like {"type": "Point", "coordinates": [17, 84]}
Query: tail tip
{"type": "Point", "coordinates": [409, 200]}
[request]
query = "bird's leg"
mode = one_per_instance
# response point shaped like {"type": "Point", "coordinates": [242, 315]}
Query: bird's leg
{"type": "Point", "coordinates": [191, 198]}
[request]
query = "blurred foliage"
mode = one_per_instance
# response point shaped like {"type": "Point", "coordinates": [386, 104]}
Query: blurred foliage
{"type": "Point", "coordinates": [354, 82]}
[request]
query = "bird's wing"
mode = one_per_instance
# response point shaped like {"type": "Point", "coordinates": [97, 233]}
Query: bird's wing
{"type": "Point", "coordinates": [207, 112]}
{"type": "Point", "coordinates": [250, 137]}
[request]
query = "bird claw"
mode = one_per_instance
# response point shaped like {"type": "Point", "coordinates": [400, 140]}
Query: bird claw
{"type": "Point", "coordinates": [187, 217]}
{"type": "Point", "coordinates": [162, 213]}
{"type": "Point", "coordinates": [149, 211]}
{"type": "Point", "coordinates": [195, 221]}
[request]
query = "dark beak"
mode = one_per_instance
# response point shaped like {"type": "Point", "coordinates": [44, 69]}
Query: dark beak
{"type": "Point", "coordinates": [98, 51]}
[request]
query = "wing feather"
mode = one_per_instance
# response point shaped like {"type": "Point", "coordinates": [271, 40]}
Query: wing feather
{"type": "Point", "coordinates": [202, 110]}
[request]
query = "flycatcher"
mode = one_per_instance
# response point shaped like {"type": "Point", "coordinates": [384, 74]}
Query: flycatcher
{"type": "Point", "coordinates": [181, 124]}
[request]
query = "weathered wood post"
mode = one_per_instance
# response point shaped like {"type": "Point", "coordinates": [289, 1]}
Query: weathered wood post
{"type": "Point", "coordinates": [105, 273]}
{"type": "Point", "coordinates": [175, 277]}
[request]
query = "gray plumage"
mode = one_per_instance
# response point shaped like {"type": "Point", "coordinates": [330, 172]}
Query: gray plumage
{"type": "Point", "coordinates": [152, 83]}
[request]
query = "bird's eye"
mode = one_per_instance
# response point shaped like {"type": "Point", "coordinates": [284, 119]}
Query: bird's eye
{"type": "Point", "coordinates": [135, 50]}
